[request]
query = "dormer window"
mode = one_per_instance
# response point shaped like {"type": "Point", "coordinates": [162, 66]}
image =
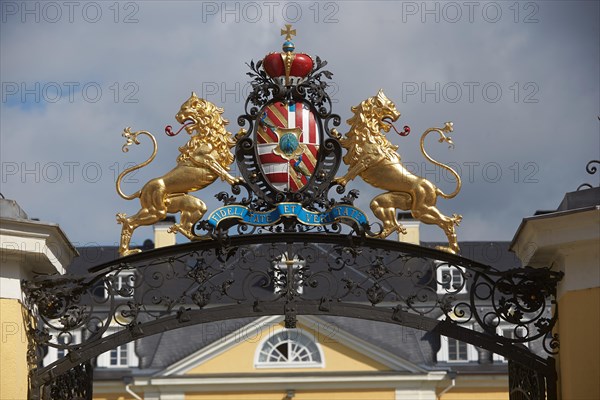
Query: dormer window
{"type": "Point", "coordinates": [122, 284]}
{"type": "Point", "coordinates": [512, 333]}
{"type": "Point", "coordinates": [63, 339]}
{"type": "Point", "coordinates": [450, 279]}
{"type": "Point", "coordinates": [284, 270]}
{"type": "Point", "coordinates": [455, 351]}
{"type": "Point", "coordinates": [122, 356]}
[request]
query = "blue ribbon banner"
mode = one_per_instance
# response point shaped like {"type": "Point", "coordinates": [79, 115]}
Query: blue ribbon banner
{"type": "Point", "coordinates": [303, 215]}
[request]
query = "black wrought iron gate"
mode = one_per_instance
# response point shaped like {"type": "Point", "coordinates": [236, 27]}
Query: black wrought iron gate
{"type": "Point", "coordinates": [315, 274]}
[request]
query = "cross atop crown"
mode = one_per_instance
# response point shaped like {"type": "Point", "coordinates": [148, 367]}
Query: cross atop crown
{"type": "Point", "coordinates": [288, 68]}
{"type": "Point", "coordinates": [288, 32]}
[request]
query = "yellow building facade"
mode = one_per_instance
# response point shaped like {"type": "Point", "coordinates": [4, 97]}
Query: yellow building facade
{"type": "Point", "coordinates": [27, 247]}
{"type": "Point", "coordinates": [568, 239]}
{"type": "Point", "coordinates": [349, 369]}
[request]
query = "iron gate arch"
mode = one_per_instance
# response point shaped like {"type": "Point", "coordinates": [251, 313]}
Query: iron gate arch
{"type": "Point", "coordinates": [342, 275]}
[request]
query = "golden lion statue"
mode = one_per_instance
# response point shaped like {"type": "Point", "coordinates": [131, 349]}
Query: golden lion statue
{"type": "Point", "coordinates": [206, 157]}
{"type": "Point", "coordinates": [371, 156]}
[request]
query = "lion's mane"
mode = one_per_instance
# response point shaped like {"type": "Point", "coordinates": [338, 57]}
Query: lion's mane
{"type": "Point", "coordinates": [209, 127]}
{"type": "Point", "coordinates": [365, 130]}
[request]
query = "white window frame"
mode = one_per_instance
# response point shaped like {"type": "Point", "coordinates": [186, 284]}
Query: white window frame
{"type": "Point", "coordinates": [121, 278]}
{"type": "Point", "coordinates": [439, 274]}
{"type": "Point", "coordinates": [104, 359]}
{"type": "Point", "coordinates": [280, 269]}
{"type": "Point", "coordinates": [53, 355]}
{"type": "Point", "coordinates": [289, 364]}
{"type": "Point", "coordinates": [500, 330]}
{"type": "Point", "coordinates": [443, 354]}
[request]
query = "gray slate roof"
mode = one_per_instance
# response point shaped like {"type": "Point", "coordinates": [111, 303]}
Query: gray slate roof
{"type": "Point", "coordinates": [161, 350]}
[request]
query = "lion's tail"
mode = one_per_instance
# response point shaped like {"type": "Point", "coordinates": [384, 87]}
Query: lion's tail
{"type": "Point", "coordinates": [443, 138]}
{"type": "Point", "coordinates": [132, 138]}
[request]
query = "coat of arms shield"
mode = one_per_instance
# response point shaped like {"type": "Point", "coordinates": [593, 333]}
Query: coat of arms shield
{"type": "Point", "coordinates": [288, 137]}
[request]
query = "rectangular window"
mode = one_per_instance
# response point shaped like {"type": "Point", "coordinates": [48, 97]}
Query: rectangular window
{"type": "Point", "coordinates": [55, 353]}
{"type": "Point", "coordinates": [123, 285]}
{"type": "Point", "coordinates": [450, 279]}
{"type": "Point", "coordinates": [457, 350]}
{"type": "Point", "coordinates": [508, 332]}
{"type": "Point", "coordinates": [122, 356]}
{"type": "Point", "coordinates": [60, 353]}
{"type": "Point", "coordinates": [118, 356]}
{"type": "Point", "coordinates": [281, 276]}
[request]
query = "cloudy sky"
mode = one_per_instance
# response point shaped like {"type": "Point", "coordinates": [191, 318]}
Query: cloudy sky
{"type": "Point", "coordinates": [520, 81]}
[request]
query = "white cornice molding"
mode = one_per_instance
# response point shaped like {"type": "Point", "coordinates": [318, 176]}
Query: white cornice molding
{"type": "Point", "coordinates": [316, 381]}
{"type": "Point", "coordinates": [541, 238]}
{"type": "Point", "coordinates": [36, 246]}
{"type": "Point", "coordinates": [566, 241]}
{"type": "Point", "coordinates": [402, 382]}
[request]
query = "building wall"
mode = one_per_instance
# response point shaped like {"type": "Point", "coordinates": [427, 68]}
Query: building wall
{"type": "Point", "coordinates": [240, 358]}
{"type": "Point", "coordinates": [299, 395]}
{"type": "Point", "coordinates": [568, 241]}
{"type": "Point", "coordinates": [27, 248]}
{"type": "Point", "coordinates": [475, 394]}
{"type": "Point", "coordinates": [579, 344]}
{"type": "Point", "coordinates": [13, 347]}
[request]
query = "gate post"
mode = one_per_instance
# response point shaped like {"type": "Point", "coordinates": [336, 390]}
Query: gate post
{"type": "Point", "coordinates": [26, 246]}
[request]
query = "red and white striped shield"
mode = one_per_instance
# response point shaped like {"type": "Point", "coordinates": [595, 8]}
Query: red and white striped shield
{"type": "Point", "coordinates": [288, 139]}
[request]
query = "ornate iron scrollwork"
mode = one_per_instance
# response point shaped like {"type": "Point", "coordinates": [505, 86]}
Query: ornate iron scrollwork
{"type": "Point", "coordinates": [76, 384]}
{"type": "Point", "coordinates": [590, 169]}
{"type": "Point", "coordinates": [526, 384]}
{"type": "Point", "coordinates": [288, 272]}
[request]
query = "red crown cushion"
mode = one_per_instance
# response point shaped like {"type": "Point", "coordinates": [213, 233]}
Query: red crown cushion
{"type": "Point", "coordinates": [301, 66]}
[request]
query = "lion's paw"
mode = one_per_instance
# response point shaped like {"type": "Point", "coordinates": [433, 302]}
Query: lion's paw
{"type": "Point", "coordinates": [340, 181]}
{"type": "Point", "coordinates": [174, 228]}
{"type": "Point", "coordinates": [456, 219]}
{"type": "Point", "coordinates": [121, 218]}
{"type": "Point", "coordinates": [446, 249]}
{"type": "Point", "coordinates": [130, 252]}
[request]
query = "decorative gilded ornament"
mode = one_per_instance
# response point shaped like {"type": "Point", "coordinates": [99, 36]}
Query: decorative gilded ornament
{"type": "Point", "coordinates": [288, 68]}
{"type": "Point", "coordinates": [373, 157]}
{"type": "Point", "coordinates": [289, 156]}
{"type": "Point", "coordinates": [205, 157]}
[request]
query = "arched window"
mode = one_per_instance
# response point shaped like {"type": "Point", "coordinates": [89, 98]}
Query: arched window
{"type": "Point", "coordinates": [289, 348]}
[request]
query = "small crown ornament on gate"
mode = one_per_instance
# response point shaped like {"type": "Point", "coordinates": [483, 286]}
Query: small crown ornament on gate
{"type": "Point", "coordinates": [288, 68]}
{"type": "Point", "coordinates": [288, 152]}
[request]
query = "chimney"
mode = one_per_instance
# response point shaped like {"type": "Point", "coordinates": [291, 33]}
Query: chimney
{"type": "Point", "coordinates": [163, 238]}
{"type": "Point", "coordinates": [412, 228]}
